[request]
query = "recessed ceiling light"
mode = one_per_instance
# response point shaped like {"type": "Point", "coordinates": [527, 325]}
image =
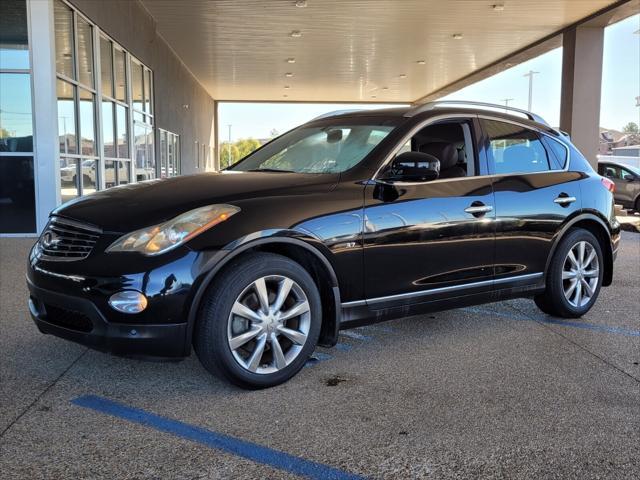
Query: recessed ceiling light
{"type": "Point", "coordinates": [373, 96]}
{"type": "Point", "coordinates": [385, 88]}
{"type": "Point", "coordinates": [403, 75]}
{"type": "Point", "coordinates": [295, 34]}
{"type": "Point", "coordinates": [287, 86]}
{"type": "Point", "coordinates": [291, 60]}
{"type": "Point", "coordinates": [421, 62]}
{"type": "Point", "coordinates": [285, 95]}
{"type": "Point", "coordinates": [498, 7]}
{"type": "Point", "coordinates": [288, 74]}
{"type": "Point", "coordinates": [301, 3]}
{"type": "Point", "coordinates": [457, 36]}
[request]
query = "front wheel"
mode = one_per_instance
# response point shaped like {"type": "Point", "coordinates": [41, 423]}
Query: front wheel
{"type": "Point", "coordinates": [574, 277]}
{"type": "Point", "coordinates": [260, 321]}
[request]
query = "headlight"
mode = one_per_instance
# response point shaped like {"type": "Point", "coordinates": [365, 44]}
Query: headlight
{"type": "Point", "coordinates": [166, 236]}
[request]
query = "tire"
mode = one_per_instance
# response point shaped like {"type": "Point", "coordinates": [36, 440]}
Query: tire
{"type": "Point", "coordinates": [559, 298]}
{"type": "Point", "coordinates": [217, 327]}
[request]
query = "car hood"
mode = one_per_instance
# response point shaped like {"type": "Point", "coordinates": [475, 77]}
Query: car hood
{"type": "Point", "coordinates": [129, 207]}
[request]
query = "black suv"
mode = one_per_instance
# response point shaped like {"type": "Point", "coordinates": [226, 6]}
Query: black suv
{"type": "Point", "coordinates": [351, 218]}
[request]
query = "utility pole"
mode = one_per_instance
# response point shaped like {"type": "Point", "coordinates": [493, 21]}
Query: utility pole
{"type": "Point", "coordinates": [506, 103]}
{"type": "Point", "coordinates": [229, 147]}
{"type": "Point", "coordinates": [530, 74]}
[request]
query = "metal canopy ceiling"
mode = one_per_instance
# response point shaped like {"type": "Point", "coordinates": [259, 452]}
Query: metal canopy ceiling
{"type": "Point", "coordinates": [351, 50]}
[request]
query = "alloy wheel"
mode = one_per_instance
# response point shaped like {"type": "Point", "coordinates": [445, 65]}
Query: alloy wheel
{"type": "Point", "coordinates": [269, 324]}
{"type": "Point", "coordinates": [580, 274]}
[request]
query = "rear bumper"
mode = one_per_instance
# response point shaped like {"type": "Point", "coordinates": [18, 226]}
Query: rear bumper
{"type": "Point", "coordinates": [79, 320]}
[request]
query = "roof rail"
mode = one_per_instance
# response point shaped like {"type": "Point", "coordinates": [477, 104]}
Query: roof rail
{"type": "Point", "coordinates": [336, 112]}
{"type": "Point", "coordinates": [440, 103]}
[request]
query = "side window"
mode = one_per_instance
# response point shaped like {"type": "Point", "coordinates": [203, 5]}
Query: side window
{"type": "Point", "coordinates": [514, 149]}
{"type": "Point", "coordinates": [609, 171]}
{"type": "Point", "coordinates": [626, 175]}
{"type": "Point", "coordinates": [558, 150]}
{"type": "Point", "coordinates": [451, 142]}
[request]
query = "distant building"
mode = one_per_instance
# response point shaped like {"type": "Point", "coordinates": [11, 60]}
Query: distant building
{"type": "Point", "coordinates": [614, 139]}
{"type": "Point", "coordinates": [627, 151]}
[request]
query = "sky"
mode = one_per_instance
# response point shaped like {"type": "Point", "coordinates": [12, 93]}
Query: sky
{"type": "Point", "coordinates": [620, 86]}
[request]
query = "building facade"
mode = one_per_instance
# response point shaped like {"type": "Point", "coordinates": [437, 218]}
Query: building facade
{"type": "Point", "coordinates": [90, 98]}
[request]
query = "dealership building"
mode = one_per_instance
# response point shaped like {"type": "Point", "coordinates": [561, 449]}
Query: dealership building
{"type": "Point", "coordinates": [95, 94]}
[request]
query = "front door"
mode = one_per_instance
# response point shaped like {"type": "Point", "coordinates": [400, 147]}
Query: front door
{"type": "Point", "coordinates": [424, 241]}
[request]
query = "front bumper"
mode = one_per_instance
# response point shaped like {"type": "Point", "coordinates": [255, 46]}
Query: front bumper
{"type": "Point", "coordinates": [79, 320]}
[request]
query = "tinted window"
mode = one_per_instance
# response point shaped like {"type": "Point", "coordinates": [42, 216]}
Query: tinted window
{"type": "Point", "coordinates": [514, 149]}
{"type": "Point", "coordinates": [558, 150]}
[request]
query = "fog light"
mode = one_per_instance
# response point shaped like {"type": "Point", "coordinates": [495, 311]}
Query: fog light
{"type": "Point", "coordinates": [128, 301]}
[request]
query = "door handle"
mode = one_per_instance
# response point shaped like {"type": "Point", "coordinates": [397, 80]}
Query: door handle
{"type": "Point", "coordinates": [564, 200]}
{"type": "Point", "coordinates": [478, 209]}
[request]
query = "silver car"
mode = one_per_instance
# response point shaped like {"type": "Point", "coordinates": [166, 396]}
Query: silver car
{"type": "Point", "coordinates": [627, 180]}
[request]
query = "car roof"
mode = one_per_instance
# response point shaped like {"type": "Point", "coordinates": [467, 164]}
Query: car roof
{"type": "Point", "coordinates": [411, 112]}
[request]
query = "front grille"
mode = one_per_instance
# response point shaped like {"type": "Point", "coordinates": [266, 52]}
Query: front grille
{"type": "Point", "coordinates": [68, 318]}
{"type": "Point", "coordinates": [66, 240]}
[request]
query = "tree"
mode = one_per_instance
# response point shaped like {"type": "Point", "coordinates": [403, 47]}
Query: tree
{"type": "Point", "coordinates": [630, 127]}
{"type": "Point", "coordinates": [225, 159]}
{"type": "Point", "coordinates": [246, 146]}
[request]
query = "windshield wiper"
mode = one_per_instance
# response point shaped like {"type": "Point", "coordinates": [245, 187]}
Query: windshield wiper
{"type": "Point", "coordinates": [270, 170]}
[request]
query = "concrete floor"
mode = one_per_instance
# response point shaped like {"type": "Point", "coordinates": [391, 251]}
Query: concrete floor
{"type": "Point", "coordinates": [499, 390]}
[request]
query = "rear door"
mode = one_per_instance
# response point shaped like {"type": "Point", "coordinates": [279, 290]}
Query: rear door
{"type": "Point", "coordinates": [534, 195]}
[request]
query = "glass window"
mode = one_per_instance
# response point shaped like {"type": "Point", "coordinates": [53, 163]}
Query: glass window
{"type": "Point", "coordinates": [514, 149]}
{"type": "Point", "coordinates": [69, 179]}
{"type": "Point", "coordinates": [328, 149]}
{"type": "Point", "coordinates": [17, 195]}
{"type": "Point", "coordinates": [106, 66]}
{"type": "Point", "coordinates": [66, 117]}
{"type": "Point", "coordinates": [63, 20]}
{"type": "Point", "coordinates": [145, 167]}
{"type": "Point", "coordinates": [121, 76]}
{"type": "Point", "coordinates": [14, 36]}
{"type": "Point", "coordinates": [558, 150]}
{"type": "Point", "coordinates": [164, 155]}
{"type": "Point", "coordinates": [122, 131]}
{"type": "Point", "coordinates": [123, 172]}
{"type": "Point", "coordinates": [16, 123]}
{"type": "Point", "coordinates": [108, 134]}
{"type": "Point", "coordinates": [147, 91]}
{"type": "Point", "coordinates": [87, 123]}
{"type": "Point", "coordinates": [85, 53]}
{"type": "Point", "coordinates": [89, 176]}
{"type": "Point", "coordinates": [137, 88]}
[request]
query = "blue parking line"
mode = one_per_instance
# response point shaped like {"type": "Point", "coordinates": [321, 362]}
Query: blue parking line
{"type": "Point", "coordinates": [218, 441]}
{"type": "Point", "coordinates": [563, 323]}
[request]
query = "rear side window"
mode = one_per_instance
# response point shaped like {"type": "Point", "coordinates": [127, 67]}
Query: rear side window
{"type": "Point", "coordinates": [515, 149]}
{"type": "Point", "coordinates": [558, 150]}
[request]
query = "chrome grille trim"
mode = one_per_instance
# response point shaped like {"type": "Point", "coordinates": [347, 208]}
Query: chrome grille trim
{"type": "Point", "coordinates": [65, 240]}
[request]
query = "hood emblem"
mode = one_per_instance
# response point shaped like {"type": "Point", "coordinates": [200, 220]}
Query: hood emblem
{"type": "Point", "coordinates": [50, 240]}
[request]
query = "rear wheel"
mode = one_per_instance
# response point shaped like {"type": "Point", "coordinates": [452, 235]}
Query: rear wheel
{"type": "Point", "coordinates": [260, 321]}
{"type": "Point", "coordinates": [574, 278]}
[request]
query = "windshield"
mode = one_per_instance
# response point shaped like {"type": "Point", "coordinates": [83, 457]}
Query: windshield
{"type": "Point", "coordinates": [320, 149]}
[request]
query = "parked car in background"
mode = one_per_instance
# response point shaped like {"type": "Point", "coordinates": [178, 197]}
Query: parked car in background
{"type": "Point", "coordinates": [627, 181]}
{"type": "Point", "coordinates": [351, 218]}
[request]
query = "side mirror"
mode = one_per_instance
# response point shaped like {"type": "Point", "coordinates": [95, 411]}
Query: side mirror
{"type": "Point", "coordinates": [414, 167]}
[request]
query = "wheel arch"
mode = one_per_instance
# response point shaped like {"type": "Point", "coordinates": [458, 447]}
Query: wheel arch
{"type": "Point", "coordinates": [598, 227]}
{"type": "Point", "coordinates": [299, 250]}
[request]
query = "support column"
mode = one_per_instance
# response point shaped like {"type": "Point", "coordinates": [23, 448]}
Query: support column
{"type": "Point", "coordinates": [43, 68]}
{"type": "Point", "coordinates": [582, 88]}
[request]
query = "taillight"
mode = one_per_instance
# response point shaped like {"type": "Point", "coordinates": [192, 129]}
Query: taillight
{"type": "Point", "coordinates": [608, 184]}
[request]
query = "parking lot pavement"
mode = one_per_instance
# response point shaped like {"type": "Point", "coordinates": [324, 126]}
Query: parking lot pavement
{"type": "Point", "coordinates": [498, 390]}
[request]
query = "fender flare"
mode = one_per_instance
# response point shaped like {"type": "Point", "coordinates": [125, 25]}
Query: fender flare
{"type": "Point", "coordinates": [565, 228]}
{"type": "Point", "coordinates": [238, 248]}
